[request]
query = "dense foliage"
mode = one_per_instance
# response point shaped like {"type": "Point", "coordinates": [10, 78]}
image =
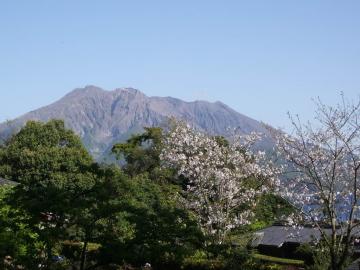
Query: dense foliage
{"type": "Point", "coordinates": [68, 212]}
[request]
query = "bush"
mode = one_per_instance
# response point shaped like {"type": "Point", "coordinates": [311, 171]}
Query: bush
{"type": "Point", "coordinates": [200, 261]}
{"type": "Point", "coordinates": [321, 260]}
{"type": "Point", "coordinates": [203, 264]}
{"type": "Point", "coordinates": [238, 259]}
{"type": "Point", "coordinates": [306, 253]}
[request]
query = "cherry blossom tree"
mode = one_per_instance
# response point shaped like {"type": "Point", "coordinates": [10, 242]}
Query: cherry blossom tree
{"type": "Point", "coordinates": [221, 189]}
{"type": "Point", "coordinates": [324, 163]}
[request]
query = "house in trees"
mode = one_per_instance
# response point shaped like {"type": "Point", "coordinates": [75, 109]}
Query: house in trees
{"type": "Point", "coordinates": [282, 241]}
{"type": "Point", "coordinates": [4, 182]}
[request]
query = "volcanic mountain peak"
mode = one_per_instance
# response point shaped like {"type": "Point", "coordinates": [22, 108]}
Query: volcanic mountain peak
{"type": "Point", "coordinates": [104, 117]}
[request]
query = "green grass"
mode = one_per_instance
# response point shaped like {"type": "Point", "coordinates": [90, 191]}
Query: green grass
{"type": "Point", "coordinates": [278, 260]}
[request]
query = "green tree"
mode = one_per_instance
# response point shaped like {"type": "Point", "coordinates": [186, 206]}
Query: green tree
{"type": "Point", "coordinates": [162, 233]}
{"type": "Point", "coordinates": [100, 213]}
{"type": "Point", "coordinates": [66, 197]}
{"type": "Point", "coordinates": [54, 173]}
{"type": "Point", "coordinates": [141, 152]}
{"type": "Point", "coordinates": [269, 209]}
{"type": "Point", "coordinates": [165, 232]}
{"type": "Point", "coordinates": [18, 242]}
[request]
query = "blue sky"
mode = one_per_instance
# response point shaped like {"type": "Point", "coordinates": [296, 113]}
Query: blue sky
{"type": "Point", "coordinates": [263, 58]}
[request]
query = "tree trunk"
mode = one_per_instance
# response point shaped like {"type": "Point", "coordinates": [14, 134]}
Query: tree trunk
{"type": "Point", "coordinates": [48, 259]}
{"type": "Point", "coordinates": [333, 264]}
{"type": "Point", "coordinates": [83, 255]}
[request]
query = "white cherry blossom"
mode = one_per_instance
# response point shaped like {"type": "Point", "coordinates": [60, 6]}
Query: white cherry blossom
{"type": "Point", "coordinates": [323, 173]}
{"type": "Point", "coordinates": [219, 189]}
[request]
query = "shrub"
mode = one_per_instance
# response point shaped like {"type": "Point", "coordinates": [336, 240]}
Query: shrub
{"type": "Point", "coordinates": [306, 253]}
{"type": "Point", "coordinates": [200, 261]}
{"type": "Point", "coordinates": [203, 264]}
{"type": "Point", "coordinates": [238, 259]}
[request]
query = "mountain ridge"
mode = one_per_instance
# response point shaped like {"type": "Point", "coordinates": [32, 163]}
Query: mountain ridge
{"type": "Point", "coordinates": [103, 117]}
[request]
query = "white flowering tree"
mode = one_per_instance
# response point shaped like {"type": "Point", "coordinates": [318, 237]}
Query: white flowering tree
{"type": "Point", "coordinates": [324, 160]}
{"type": "Point", "coordinates": [221, 189]}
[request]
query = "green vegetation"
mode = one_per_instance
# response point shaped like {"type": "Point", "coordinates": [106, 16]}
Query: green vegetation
{"type": "Point", "coordinates": [68, 212]}
{"type": "Point", "coordinates": [279, 260]}
{"type": "Point", "coordinates": [17, 238]}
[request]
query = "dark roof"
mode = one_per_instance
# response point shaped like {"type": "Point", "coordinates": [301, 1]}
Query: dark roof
{"type": "Point", "coordinates": [7, 182]}
{"type": "Point", "coordinates": [356, 231]}
{"type": "Point", "coordinates": [278, 235]}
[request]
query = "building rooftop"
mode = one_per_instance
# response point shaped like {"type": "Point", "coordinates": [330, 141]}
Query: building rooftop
{"type": "Point", "coordinates": [7, 182]}
{"type": "Point", "coordinates": [278, 235]}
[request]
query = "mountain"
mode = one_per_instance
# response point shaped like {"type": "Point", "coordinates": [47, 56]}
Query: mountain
{"type": "Point", "coordinates": [103, 117]}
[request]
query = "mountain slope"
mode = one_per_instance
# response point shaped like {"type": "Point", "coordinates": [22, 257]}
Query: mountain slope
{"type": "Point", "coordinates": [102, 117]}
